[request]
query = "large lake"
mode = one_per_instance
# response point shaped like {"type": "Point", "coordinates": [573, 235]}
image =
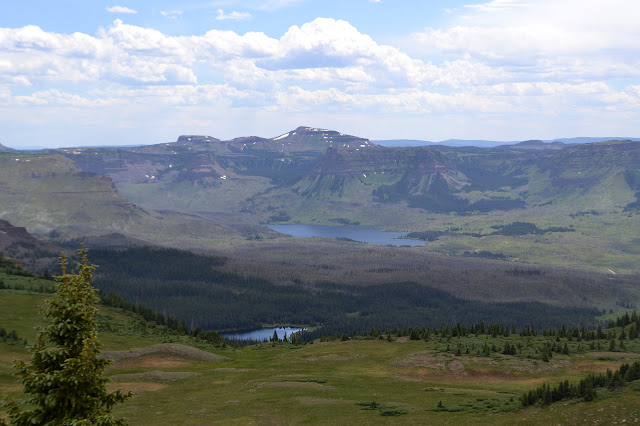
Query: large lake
{"type": "Point", "coordinates": [361, 233]}
{"type": "Point", "coordinates": [262, 334]}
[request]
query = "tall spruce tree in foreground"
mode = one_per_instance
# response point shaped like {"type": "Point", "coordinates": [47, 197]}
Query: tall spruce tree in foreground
{"type": "Point", "coordinates": [65, 379]}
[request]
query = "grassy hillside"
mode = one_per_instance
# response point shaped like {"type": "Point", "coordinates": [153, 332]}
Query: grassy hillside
{"type": "Point", "coordinates": [338, 382]}
{"type": "Point", "coordinates": [42, 192]}
{"type": "Point", "coordinates": [366, 379]}
{"type": "Point", "coordinates": [50, 195]}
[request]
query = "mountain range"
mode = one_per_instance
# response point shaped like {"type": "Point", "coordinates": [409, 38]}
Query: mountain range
{"type": "Point", "coordinates": [490, 143]}
{"type": "Point", "coordinates": [202, 192]}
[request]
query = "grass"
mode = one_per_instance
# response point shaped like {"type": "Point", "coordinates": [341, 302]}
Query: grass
{"type": "Point", "coordinates": [362, 380]}
{"type": "Point", "coordinates": [227, 195]}
{"type": "Point", "coordinates": [279, 385]}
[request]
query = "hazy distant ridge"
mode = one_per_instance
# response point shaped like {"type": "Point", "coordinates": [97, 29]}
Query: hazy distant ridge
{"type": "Point", "coordinates": [489, 143]}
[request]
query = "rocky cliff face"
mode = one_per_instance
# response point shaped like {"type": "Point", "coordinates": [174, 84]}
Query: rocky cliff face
{"type": "Point", "coordinates": [37, 255]}
{"type": "Point", "coordinates": [407, 171]}
{"type": "Point", "coordinates": [47, 191]}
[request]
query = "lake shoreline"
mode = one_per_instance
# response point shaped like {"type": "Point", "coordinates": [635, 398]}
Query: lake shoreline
{"type": "Point", "coordinates": [358, 233]}
{"type": "Point", "coordinates": [262, 334]}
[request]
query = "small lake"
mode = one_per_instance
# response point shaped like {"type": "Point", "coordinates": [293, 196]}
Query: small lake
{"type": "Point", "coordinates": [361, 233]}
{"type": "Point", "coordinates": [262, 333]}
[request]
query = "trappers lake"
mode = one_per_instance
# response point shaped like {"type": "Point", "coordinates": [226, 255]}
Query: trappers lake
{"type": "Point", "coordinates": [360, 233]}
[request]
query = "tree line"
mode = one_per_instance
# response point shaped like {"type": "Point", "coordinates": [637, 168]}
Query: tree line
{"type": "Point", "coordinates": [585, 388]}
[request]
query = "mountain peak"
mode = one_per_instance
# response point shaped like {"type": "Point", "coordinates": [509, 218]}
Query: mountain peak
{"type": "Point", "coordinates": [316, 139]}
{"type": "Point", "coordinates": [534, 145]}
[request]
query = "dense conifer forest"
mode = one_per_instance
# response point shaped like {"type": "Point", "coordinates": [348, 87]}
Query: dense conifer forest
{"type": "Point", "coordinates": [194, 289]}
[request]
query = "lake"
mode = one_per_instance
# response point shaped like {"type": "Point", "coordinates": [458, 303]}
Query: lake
{"type": "Point", "coordinates": [361, 233]}
{"type": "Point", "coordinates": [262, 334]}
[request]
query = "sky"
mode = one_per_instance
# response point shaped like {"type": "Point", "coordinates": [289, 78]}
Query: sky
{"type": "Point", "coordinates": [124, 72]}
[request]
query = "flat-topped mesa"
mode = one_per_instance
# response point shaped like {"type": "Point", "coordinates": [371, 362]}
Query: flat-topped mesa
{"type": "Point", "coordinates": [35, 254]}
{"type": "Point", "coordinates": [196, 139]}
{"type": "Point", "coordinates": [249, 143]}
{"type": "Point", "coordinates": [533, 145]}
{"type": "Point", "coordinates": [355, 162]}
{"type": "Point", "coordinates": [8, 230]}
{"type": "Point", "coordinates": [184, 144]}
{"type": "Point", "coordinates": [201, 169]}
{"type": "Point", "coordinates": [315, 139]}
{"type": "Point", "coordinates": [384, 173]}
{"type": "Point", "coordinates": [302, 139]}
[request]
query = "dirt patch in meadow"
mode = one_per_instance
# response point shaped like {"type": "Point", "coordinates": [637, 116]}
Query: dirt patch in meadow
{"type": "Point", "coordinates": [461, 366]}
{"type": "Point", "coordinates": [421, 360]}
{"type": "Point", "coordinates": [457, 368]}
{"type": "Point", "coordinates": [523, 365]}
{"type": "Point", "coordinates": [617, 355]}
{"type": "Point", "coordinates": [10, 388]}
{"type": "Point", "coordinates": [152, 361]}
{"type": "Point", "coordinates": [336, 357]}
{"type": "Point", "coordinates": [599, 366]}
{"type": "Point", "coordinates": [174, 350]}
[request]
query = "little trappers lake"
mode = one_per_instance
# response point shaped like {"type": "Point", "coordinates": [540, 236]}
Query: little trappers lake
{"type": "Point", "coordinates": [263, 334]}
{"type": "Point", "coordinates": [360, 233]}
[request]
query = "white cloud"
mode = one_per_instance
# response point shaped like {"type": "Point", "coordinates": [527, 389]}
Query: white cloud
{"type": "Point", "coordinates": [121, 9]}
{"type": "Point", "coordinates": [634, 90]}
{"type": "Point", "coordinates": [297, 99]}
{"type": "Point", "coordinates": [219, 46]}
{"type": "Point", "coordinates": [326, 52]}
{"type": "Point", "coordinates": [545, 38]}
{"type": "Point", "coordinates": [499, 5]}
{"type": "Point", "coordinates": [532, 67]}
{"type": "Point", "coordinates": [237, 16]}
{"type": "Point", "coordinates": [145, 42]}
{"type": "Point", "coordinates": [172, 14]}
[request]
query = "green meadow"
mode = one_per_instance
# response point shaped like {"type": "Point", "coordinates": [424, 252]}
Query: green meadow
{"type": "Point", "coordinates": [364, 378]}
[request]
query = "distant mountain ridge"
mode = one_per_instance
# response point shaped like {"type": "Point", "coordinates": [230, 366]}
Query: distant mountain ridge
{"type": "Point", "coordinates": [200, 191]}
{"type": "Point", "coordinates": [306, 138]}
{"type": "Point", "coordinates": [321, 164]}
{"type": "Point", "coordinates": [490, 143]}
{"type": "Point", "coordinates": [6, 149]}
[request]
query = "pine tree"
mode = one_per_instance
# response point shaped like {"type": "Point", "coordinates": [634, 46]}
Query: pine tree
{"type": "Point", "coordinates": [65, 379]}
